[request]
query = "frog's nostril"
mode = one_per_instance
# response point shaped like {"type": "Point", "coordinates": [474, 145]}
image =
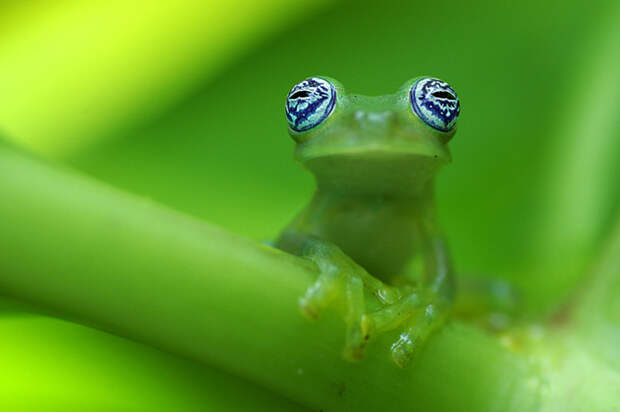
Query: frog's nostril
{"type": "Point", "coordinates": [444, 95]}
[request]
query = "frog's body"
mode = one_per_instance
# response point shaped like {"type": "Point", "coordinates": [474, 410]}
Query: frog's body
{"type": "Point", "coordinates": [382, 234]}
{"type": "Point", "coordinates": [374, 159]}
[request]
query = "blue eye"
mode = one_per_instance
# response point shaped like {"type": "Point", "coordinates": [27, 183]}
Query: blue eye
{"type": "Point", "coordinates": [436, 103]}
{"type": "Point", "coordinates": [309, 103]}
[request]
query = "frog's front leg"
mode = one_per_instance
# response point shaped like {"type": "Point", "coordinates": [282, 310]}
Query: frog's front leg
{"type": "Point", "coordinates": [439, 290]}
{"type": "Point", "coordinates": [421, 310]}
{"type": "Point", "coordinates": [340, 278]}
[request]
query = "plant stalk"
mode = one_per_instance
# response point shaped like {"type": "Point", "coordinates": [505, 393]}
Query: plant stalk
{"type": "Point", "coordinates": [134, 268]}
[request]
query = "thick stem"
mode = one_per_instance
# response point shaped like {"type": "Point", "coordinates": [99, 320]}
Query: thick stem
{"type": "Point", "coordinates": [137, 269]}
{"type": "Point", "coordinates": [581, 192]}
{"type": "Point", "coordinates": [597, 313]}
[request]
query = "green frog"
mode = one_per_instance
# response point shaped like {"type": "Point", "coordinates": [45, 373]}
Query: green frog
{"type": "Point", "coordinates": [371, 226]}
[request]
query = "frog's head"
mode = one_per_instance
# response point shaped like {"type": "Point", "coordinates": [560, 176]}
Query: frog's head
{"type": "Point", "coordinates": [390, 145]}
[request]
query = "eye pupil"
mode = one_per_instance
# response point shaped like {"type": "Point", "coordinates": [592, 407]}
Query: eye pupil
{"type": "Point", "coordinates": [435, 103]}
{"type": "Point", "coordinates": [309, 103]}
{"type": "Point", "coordinates": [443, 95]}
{"type": "Point", "coordinates": [300, 94]}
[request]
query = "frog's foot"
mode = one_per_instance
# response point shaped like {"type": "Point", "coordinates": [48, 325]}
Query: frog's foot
{"type": "Point", "coordinates": [341, 280]}
{"type": "Point", "coordinates": [418, 314]}
{"type": "Point", "coordinates": [489, 302]}
{"type": "Point", "coordinates": [329, 288]}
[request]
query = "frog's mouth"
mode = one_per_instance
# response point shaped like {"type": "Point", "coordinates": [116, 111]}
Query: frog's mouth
{"type": "Point", "coordinates": [373, 146]}
{"type": "Point", "coordinates": [376, 171]}
{"type": "Point", "coordinates": [412, 149]}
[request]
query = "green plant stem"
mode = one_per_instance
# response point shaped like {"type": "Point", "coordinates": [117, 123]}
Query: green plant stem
{"type": "Point", "coordinates": [597, 315]}
{"type": "Point", "coordinates": [50, 364]}
{"type": "Point", "coordinates": [580, 196]}
{"type": "Point", "coordinates": [580, 354]}
{"type": "Point", "coordinates": [136, 269]}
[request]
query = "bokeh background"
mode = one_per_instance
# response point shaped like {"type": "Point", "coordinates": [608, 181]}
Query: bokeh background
{"type": "Point", "coordinates": [182, 102]}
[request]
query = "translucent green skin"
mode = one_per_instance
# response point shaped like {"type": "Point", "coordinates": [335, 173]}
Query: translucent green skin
{"type": "Point", "coordinates": [373, 213]}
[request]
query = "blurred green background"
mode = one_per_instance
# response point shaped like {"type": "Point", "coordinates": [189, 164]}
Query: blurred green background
{"type": "Point", "coordinates": [182, 102]}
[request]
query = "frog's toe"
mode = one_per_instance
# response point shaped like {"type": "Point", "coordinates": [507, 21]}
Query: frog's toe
{"type": "Point", "coordinates": [355, 346]}
{"type": "Point", "coordinates": [405, 348]}
{"type": "Point", "coordinates": [358, 335]}
{"type": "Point", "coordinates": [368, 325]}
{"type": "Point", "coordinates": [387, 295]}
{"type": "Point", "coordinates": [318, 296]}
{"type": "Point", "coordinates": [415, 335]}
{"type": "Point", "coordinates": [309, 308]}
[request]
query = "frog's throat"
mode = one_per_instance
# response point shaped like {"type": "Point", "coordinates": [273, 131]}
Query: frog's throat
{"type": "Point", "coordinates": [374, 173]}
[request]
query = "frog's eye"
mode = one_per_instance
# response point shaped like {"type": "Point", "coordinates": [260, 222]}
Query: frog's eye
{"type": "Point", "coordinates": [436, 103]}
{"type": "Point", "coordinates": [309, 103]}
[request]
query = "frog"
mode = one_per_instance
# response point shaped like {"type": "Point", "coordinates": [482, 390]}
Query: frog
{"type": "Point", "coordinates": [371, 226]}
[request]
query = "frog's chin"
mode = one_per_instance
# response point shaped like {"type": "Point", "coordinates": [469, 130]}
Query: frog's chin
{"type": "Point", "coordinates": [377, 171]}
